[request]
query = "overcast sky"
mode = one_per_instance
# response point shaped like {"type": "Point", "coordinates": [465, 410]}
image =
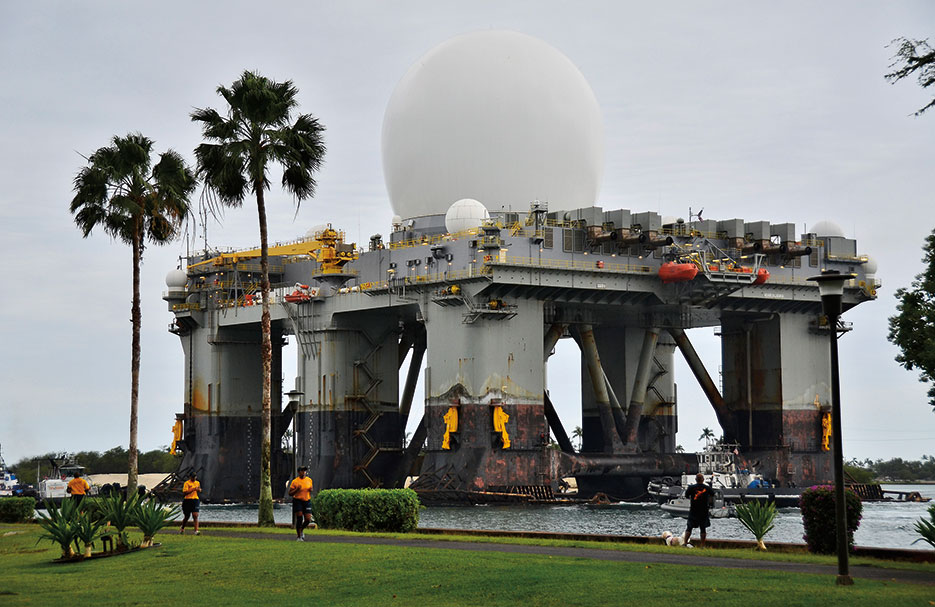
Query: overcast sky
{"type": "Point", "coordinates": [763, 111]}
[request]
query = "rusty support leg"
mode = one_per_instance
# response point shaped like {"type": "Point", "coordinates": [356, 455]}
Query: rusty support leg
{"type": "Point", "coordinates": [551, 338]}
{"type": "Point", "coordinates": [551, 415]}
{"type": "Point", "coordinates": [608, 424]}
{"type": "Point", "coordinates": [704, 380]}
{"type": "Point", "coordinates": [411, 452]}
{"type": "Point", "coordinates": [556, 425]}
{"type": "Point", "coordinates": [645, 365]}
{"type": "Point", "coordinates": [412, 377]}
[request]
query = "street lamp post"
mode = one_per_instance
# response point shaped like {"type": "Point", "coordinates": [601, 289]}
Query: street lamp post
{"type": "Point", "coordinates": [295, 396]}
{"type": "Point", "coordinates": [831, 289]}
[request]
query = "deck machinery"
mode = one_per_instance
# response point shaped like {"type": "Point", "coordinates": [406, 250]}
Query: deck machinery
{"type": "Point", "coordinates": [484, 309]}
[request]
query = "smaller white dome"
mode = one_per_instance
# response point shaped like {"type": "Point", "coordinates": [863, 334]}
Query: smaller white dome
{"type": "Point", "coordinates": [669, 220]}
{"type": "Point", "coordinates": [465, 214]}
{"type": "Point", "coordinates": [315, 230]}
{"type": "Point", "coordinates": [870, 267]}
{"type": "Point", "coordinates": [396, 221]}
{"type": "Point", "coordinates": [826, 227]}
{"type": "Point", "coordinates": [176, 279]}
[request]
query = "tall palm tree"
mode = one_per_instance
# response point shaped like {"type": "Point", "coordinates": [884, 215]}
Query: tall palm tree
{"type": "Point", "coordinates": [706, 433]}
{"type": "Point", "coordinates": [256, 132]}
{"type": "Point", "coordinates": [121, 192]}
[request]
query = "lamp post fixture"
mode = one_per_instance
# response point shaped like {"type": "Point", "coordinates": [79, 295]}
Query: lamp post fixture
{"type": "Point", "coordinates": [295, 396]}
{"type": "Point", "coordinates": [831, 289]}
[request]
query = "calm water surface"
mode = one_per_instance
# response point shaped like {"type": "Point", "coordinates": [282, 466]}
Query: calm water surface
{"type": "Point", "coordinates": [884, 524]}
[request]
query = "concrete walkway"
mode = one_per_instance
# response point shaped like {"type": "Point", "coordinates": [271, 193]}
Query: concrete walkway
{"type": "Point", "coordinates": [678, 556]}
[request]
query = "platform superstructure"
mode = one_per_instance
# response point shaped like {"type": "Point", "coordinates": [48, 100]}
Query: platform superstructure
{"type": "Point", "coordinates": [484, 308]}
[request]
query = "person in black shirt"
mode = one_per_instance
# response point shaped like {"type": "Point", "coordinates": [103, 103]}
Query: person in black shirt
{"type": "Point", "coordinates": [700, 497]}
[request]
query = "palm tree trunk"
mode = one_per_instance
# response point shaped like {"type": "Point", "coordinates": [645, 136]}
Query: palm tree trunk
{"type": "Point", "coordinates": [136, 319]}
{"type": "Point", "coordinates": [265, 514]}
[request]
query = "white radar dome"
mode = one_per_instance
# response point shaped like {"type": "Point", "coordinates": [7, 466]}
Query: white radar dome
{"type": "Point", "coordinates": [176, 279]}
{"type": "Point", "coordinates": [827, 228]}
{"type": "Point", "coordinates": [871, 267]}
{"type": "Point", "coordinates": [465, 214]}
{"type": "Point", "coordinates": [496, 116]}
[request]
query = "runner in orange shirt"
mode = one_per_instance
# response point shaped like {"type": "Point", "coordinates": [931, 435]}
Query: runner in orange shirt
{"type": "Point", "coordinates": [190, 501]}
{"type": "Point", "coordinates": [301, 491]}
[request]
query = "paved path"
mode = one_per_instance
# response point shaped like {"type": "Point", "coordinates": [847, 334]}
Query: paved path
{"type": "Point", "coordinates": [678, 556]}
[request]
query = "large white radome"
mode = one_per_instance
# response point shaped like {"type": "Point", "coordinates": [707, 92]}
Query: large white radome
{"type": "Point", "coordinates": [496, 116]}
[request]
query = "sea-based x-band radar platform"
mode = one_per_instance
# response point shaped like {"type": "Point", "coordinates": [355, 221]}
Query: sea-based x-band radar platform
{"type": "Point", "coordinates": [477, 281]}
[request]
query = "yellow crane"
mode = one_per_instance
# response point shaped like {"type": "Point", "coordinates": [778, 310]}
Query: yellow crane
{"type": "Point", "coordinates": [326, 246]}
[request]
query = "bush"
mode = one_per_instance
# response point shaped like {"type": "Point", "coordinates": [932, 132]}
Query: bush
{"type": "Point", "coordinates": [818, 518]}
{"type": "Point", "coordinates": [16, 509]}
{"type": "Point", "coordinates": [926, 528]}
{"type": "Point", "coordinates": [758, 519]}
{"type": "Point", "coordinates": [394, 510]}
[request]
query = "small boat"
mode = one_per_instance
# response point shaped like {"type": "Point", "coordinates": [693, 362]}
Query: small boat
{"type": "Point", "coordinates": [54, 488]}
{"type": "Point", "coordinates": [677, 272]}
{"type": "Point", "coordinates": [680, 506]}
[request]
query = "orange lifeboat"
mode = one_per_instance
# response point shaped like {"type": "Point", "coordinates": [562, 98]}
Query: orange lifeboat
{"type": "Point", "coordinates": [762, 275]}
{"type": "Point", "coordinates": [677, 272]}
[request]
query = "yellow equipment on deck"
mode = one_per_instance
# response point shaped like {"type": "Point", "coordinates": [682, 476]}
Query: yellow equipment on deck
{"type": "Point", "coordinates": [326, 246]}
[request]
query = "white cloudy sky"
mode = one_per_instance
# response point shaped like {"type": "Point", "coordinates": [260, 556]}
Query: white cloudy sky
{"type": "Point", "coordinates": [766, 111]}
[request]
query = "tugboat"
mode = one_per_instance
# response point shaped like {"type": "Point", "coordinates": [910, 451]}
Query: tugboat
{"type": "Point", "coordinates": [717, 462]}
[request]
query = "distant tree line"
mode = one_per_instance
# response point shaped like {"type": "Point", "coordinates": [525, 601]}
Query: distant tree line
{"type": "Point", "coordinates": [112, 461]}
{"type": "Point", "coordinates": [897, 469]}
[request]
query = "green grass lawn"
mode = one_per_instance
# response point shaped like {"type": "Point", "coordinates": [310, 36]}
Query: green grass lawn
{"type": "Point", "coordinates": [208, 570]}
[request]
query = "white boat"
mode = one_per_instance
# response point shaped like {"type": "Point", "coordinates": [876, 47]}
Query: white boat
{"type": "Point", "coordinates": [54, 488]}
{"type": "Point", "coordinates": [680, 506]}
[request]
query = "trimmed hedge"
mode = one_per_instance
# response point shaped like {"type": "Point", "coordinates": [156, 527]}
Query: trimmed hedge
{"type": "Point", "coordinates": [16, 509]}
{"type": "Point", "coordinates": [818, 518]}
{"type": "Point", "coordinates": [392, 510]}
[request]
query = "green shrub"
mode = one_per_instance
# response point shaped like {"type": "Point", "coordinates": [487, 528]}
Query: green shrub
{"type": "Point", "coordinates": [926, 528]}
{"type": "Point", "coordinates": [120, 514]}
{"type": "Point", "coordinates": [60, 525]}
{"type": "Point", "coordinates": [818, 518]}
{"type": "Point", "coordinates": [393, 510]}
{"type": "Point", "coordinates": [17, 509]}
{"type": "Point", "coordinates": [758, 519]}
{"type": "Point", "coordinates": [151, 516]}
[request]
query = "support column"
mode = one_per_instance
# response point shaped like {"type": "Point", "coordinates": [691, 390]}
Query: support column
{"type": "Point", "coordinates": [704, 380]}
{"type": "Point", "coordinates": [412, 377]}
{"type": "Point", "coordinates": [643, 368]}
{"type": "Point", "coordinates": [552, 336]}
{"type": "Point", "coordinates": [612, 426]}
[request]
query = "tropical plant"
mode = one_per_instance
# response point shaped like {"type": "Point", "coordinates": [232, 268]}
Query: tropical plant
{"type": "Point", "coordinates": [914, 56]}
{"type": "Point", "coordinates": [256, 132]}
{"type": "Point", "coordinates": [121, 192]}
{"type": "Point", "coordinates": [758, 518]}
{"type": "Point", "coordinates": [817, 505]}
{"type": "Point", "coordinates": [59, 525]}
{"type": "Point", "coordinates": [926, 528]}
{"type": "Point", "coordinates": [706, 433]}
{"type": "Point", "coordinates": [151, 516]}
{"type": "Point", "coordinates": [87, 529]}
{"type": "Point", "coordinates": [121, 513]}
{"type": "Point", "coordinates": [578, 435]}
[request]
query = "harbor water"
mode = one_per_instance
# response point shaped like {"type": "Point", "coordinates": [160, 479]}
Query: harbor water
{"type": "Point", "coordinates": [884, 524]}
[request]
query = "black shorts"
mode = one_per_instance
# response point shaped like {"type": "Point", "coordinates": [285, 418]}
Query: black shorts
{"type": "Point", "coordinates": [301, 506]}
{"type": "Point", "coordinates": [190, 506]}
{"type": "Point", "coordinates": [700, 521]}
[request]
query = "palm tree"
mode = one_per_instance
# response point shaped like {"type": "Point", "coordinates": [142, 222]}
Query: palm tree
{"type": "Point", "coordinates": [578, 435]}
{"type": "Point", "coordinates": [121, 192]}
{"type": "Point", "coordinates": [257, 131]}
{"type": "Point", "coordinates": [706, 433]}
